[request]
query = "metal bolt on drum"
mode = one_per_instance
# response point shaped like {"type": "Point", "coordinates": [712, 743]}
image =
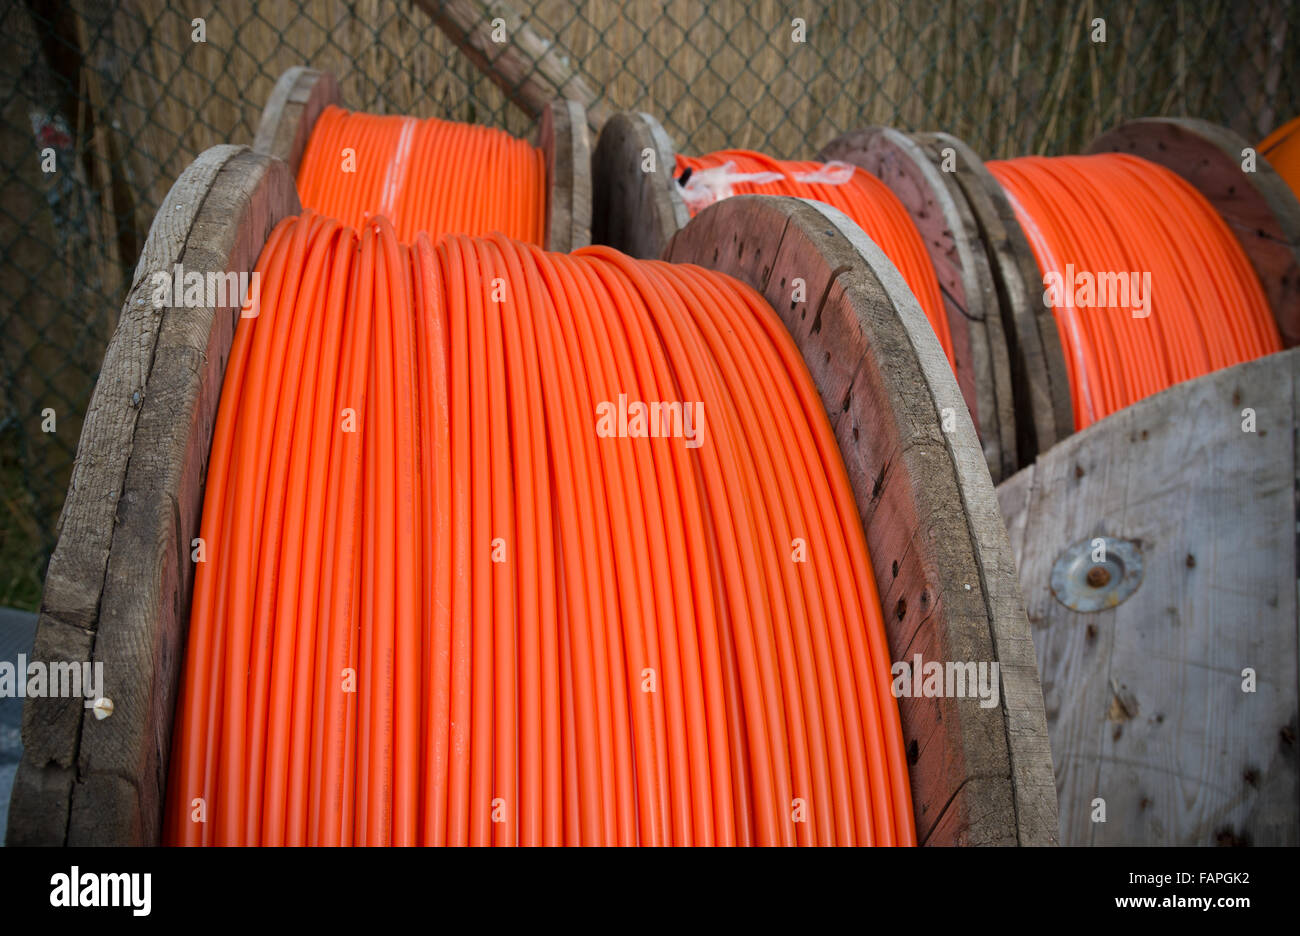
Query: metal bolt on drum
{"type": "Point", "coordinates": [1082, 584]}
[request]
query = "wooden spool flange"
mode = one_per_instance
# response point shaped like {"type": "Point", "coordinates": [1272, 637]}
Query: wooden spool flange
{"type": "Point", "coordinates": [638, 206]}
{"type": "Point", "coordinates": [562, 136]}
{"type": "Point", "coordinates": [1145, 700]}
{"type": "Point", "coordinates": [118, 585]}
{"type": "Point", "coordinates": [939, 209]}
{"type": "Point", "coordinates": [303, 93]}
{"type": "Point", "coordinates": [1040, 383]}
{"type": "Point", "coordinates": [939, 550]}
{"type": "Point", "coordinates": [1258, 206]}
{"type": "Point", "coordinates": [295, 104]}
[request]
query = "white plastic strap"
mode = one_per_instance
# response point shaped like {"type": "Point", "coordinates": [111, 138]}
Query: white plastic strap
{"type": "Point", "coordinates": [834, 172]}
{"type": "Point", "coordinates": [705, 186]}
{"type": "Point", "coordinates": [395, 176]}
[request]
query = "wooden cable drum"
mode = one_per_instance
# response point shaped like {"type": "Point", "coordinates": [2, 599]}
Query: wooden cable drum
{"type": "Point", "coordinates": [120, 582]}
{"type": "Point", "coordinates": [118, 585]}
{"type": "Point", "coordinates": [938, 546]}
{"type": "Point", "coordinates": [302, 94]}
{"type": "Point", "coordinates": [1256, 205]}
{"type": "Point", "coordinates": [1169, 669]}
{"type": "Point", "coordinates": [639, 205]}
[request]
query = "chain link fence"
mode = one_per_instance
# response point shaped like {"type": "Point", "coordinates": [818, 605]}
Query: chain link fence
{"type": "Point", "coordinates": [104, 102]}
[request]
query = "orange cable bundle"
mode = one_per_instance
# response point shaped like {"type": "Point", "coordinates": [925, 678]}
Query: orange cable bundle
{"type": "Point", "coordinates": [866, 200]}
{"type": "Point", "coordinates": [1148, 284]}
{"type": "Point", "coordinates": [429, 175]}
{"type": "Point", "coordinates": [500, 552]}
{"type": "Point", "coordinates": [1282, 150]}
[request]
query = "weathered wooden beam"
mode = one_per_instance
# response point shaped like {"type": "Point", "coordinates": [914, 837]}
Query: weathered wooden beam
{"type": "Point", "coordinates": [528, 68]}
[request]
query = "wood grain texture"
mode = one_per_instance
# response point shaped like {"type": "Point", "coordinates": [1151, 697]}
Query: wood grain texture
{"type": "Point", "coordinates": [938, 208]}
{"type": "Point", "coordinates": [1040, 384]}
{"type": "Point", "coordinates": [1258, 206]}
{"type": "Point", "coordinates": [1144, 701]}
{"type": "Point", "coordinates": [530, 70]}
{"type": "Point", "coordinates": [635, 211]}
{"type": "Point", "coordinates": [938, 547]}
{"type": "Point", "coordinates": [119, 582]}
{"type": "Point", "coordinates": [562, 137]}
{"type": "Point", "coordinates": [291, 112]}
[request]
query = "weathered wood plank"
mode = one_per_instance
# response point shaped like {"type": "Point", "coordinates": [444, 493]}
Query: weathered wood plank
{"type": "Point", "coordinates": [938, 547]}
{"type": "Point", "coordinates": [635, 210]}
{"type": "Point", "coordinates": [119, 591]}
{"type": "Point", "coordinates": [291, 112]}
{"type": "Point", "coordinates": [1144, 701]}
{"type": "Point", "coordinates": [562, 136]}
{"type": "Point", "coordinates": [75, 578]}
{"type": "Point", "coordinates": [938, 208]}
{"type": "Point", "coordinates": [1258, 206]}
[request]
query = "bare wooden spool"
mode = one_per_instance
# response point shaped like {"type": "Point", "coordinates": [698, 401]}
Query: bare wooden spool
{"type": "Point", "coordinates": [1145, 700]}
{"type": "Point", "coordinates": [939, 209]}
{"type": "Point", "coordinates": [639, 207]}
{"type": "Point", "coordinates": [939, 550]}
{"type": "Point", "coordinates": [301, 94]}
{"type": "Point", "coordinates": [118, 586]}
{"type": "Point", "coordinates": [1258, 206]}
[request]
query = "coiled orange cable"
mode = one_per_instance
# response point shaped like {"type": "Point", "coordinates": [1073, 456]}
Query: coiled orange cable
{"type": "Point", "coordinates": [1282, 150]}
{"type": "Point", "coordinates": [432, 175]}
{"type": "Point", "coordinates": [1112, 216]}
{"type": "Point", "coordinates": [866, 200]}
{"type": "Point", "coordinates": [442, 605]}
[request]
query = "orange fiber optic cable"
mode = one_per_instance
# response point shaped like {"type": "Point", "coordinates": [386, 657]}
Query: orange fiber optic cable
{"type": "Point", "coordinates": [1282, 150]}
{"type": "Point", "coordinates": [866, 200]}
{"type": "Point", "coordinates": [432, 175]}
{"type": "Point", "coordinates": [499, 553]}
{"type": "Point", "coordinates": [1153, 287]}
